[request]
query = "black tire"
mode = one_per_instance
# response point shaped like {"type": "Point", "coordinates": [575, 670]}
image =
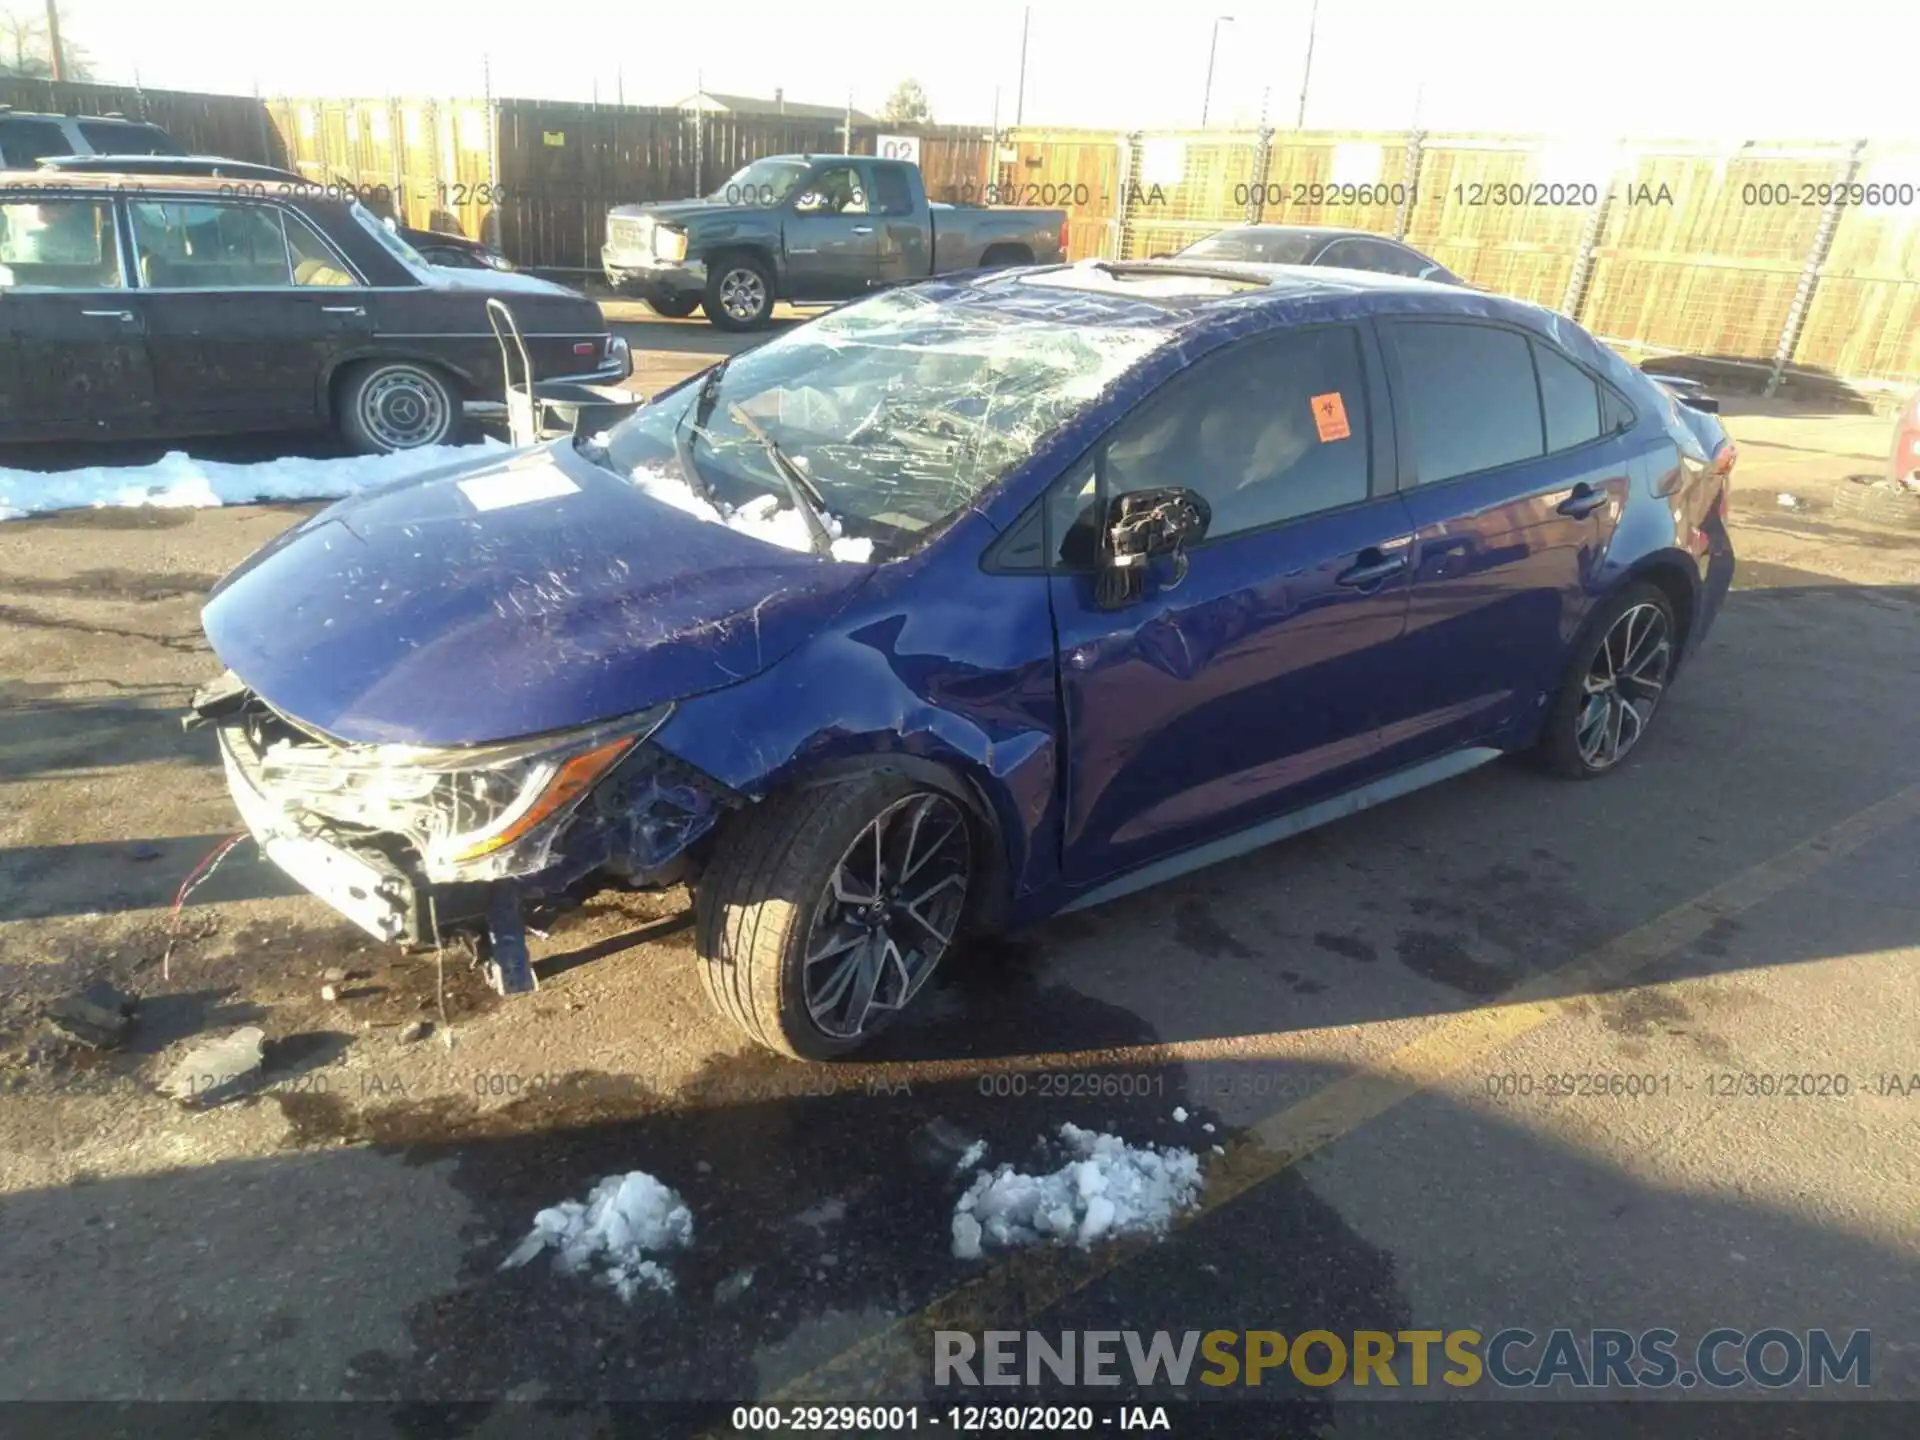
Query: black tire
{"type": "Point", "coordinates": [383, 406]}
{"type": "Point", "coordinates": [1860, 495]}
{"type": "Point", "coordinates": [769, 891]}
{"type": "Point", "coordinates": [678, 308]}
{"type": "Point", "coordinates": [739, 293]}
{"type": "Point", "coordinates": [1000, 257]}
{"type": "Point", "coordinates": [1566, 746]}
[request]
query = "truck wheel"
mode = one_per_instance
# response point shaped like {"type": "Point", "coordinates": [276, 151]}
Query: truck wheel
{"type": "Point", "coordinates": [998, 257]}
{"type": "Point", "coordinates": [388, 405]}
{"type": "Point", "coordinates": [739, 293]}
{"type": "Point", "coordinates": [678, 308]}
{"type": "Point", "coordinates": [824, 912]}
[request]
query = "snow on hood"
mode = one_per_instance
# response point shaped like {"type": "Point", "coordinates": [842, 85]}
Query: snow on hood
{"type": "Point", "coordinates": [1107, 1188]}
{"type": "Point", "coordinates": [765, 517]}
{"type": "Point", "coordinates": [175, 482]}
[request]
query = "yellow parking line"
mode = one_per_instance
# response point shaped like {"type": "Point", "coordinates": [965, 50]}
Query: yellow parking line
{"type": "Point", "coordinates": [891, 1363]}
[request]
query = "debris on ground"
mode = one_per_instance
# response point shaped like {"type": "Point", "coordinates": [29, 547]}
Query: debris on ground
{"type": "Point", "coordinates": [415, 1030]}
{"type": "Point", "coordinates": [219, 1070]}
{"type": "Point", "coordinates": [1788, 502]}
{"type": "Point", "coordinates": [330, 993]}
{"type": "Point", "coordinates": [1207, 1125]}
{"type": "Point", "coordinates": [830, 1211]}
{"type": "Point", "coordinates": [99, 1015]}
{"type": "Point", "coordinates": [939, 1143]}
{"type": "Point", "coordinates": [1108, 1188]}
{"type": "Point", "coordinates": [333, 975]}
{"type": "Point", "coordinates": [1179, 1114]}
{"type": "Point", "coordinates": [972, 1156]}
{"type": "Point", "coordinates": [733, 1287]}
{"type": "Point", "coordinates": [625, 1220]}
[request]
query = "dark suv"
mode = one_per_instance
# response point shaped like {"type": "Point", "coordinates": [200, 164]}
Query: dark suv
{"type": "Point", "coordinates": [26, 140]}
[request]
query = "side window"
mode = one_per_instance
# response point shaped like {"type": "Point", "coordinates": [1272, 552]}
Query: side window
{"type": "Point", "coordinates": [28, 142]}
{"type": "Point", "coordinates": [1471, 397]}
{"type": "Point", "coordinates": [313, 262]}
{"type": "Point", "coordinates": [891, 190]}
{"type": "Point", "coordinates": [833, 192]}
{"type": "Point", "coordinates": [122, 137]}
{"type": "Point", "coordinates": [58, 245]}
{"type": "Point", "coordinates": [201, 246]}
{"type": "Point", "coordinates": [1570, 399]}
{"type": "Point", "coordinates": [1615, 414]}
{"type": "Point", "coordinates": [1266, 431]}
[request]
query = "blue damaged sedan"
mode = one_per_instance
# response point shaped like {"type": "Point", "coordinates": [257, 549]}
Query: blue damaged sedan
{"type": "Point", "coordinates": [967, 604]}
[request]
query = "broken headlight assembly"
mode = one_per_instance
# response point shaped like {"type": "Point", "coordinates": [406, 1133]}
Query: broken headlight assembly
{"type": "Point", "coordinates": [483, 812]}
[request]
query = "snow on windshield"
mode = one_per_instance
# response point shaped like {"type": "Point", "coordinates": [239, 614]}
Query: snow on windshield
{"type": "Point", "coordinates": [901, 409]}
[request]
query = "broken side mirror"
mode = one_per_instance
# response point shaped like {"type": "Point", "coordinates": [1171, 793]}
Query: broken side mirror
{"type": "Point", "coordinates": [1140, 525]}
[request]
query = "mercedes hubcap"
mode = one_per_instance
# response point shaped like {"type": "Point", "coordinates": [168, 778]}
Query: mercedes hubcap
{"type": "Point", "coordinates": [1623, 685]}
{"type": "Point", "coordinates": [402, 409]}
{"type": "Point", "coordinates": [742, 294]}
{"type": "Point", "coordinates": [887, 915]}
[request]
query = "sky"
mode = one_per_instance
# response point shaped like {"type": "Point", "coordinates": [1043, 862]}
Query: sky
{"type": "Point", "coordinates": [1841, 69]}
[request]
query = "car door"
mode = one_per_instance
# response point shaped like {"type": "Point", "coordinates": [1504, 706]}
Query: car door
{"type": "Point", "coordinates": [831, 240]}
{"type": "Point", "coordinates": [72, 359]}
{"type": "Point", "coordinates": [1258, 679]}
{"type": "Point", "coordinates": [245, 306]}
{"type": "Point", "coordinates": [1514, 490]}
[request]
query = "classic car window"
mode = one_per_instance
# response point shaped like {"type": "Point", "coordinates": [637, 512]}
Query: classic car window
{"type": "Point", "coordinates": [25, 142]}
{"type": "Point", "coordinates": [833, 192]}
{"type": "Point", "coordinates": [58, 245]}
{"type": "Point", "coordinates": [1264, 247]}
{"type": "Point", "coordinates": [418, 264]}
{"type": "Point", "coordinates": [194, 245]}
{"type": "Point", "coordinates": [1375, 255]}
{"type": "Point", "coordinates": [313, 262]}
{"type": "Point", "coordinates": [1267, 431]}
{"type": "Point", "coordinates": [891, 190]}
{"type": "Point", "coordinates": [1471, 392]}
{"type": "Point", "coordinates": [1569, 397]}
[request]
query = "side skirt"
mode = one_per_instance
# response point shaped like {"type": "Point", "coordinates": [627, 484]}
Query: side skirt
{"type": "Point", "coordinates": [1350, 802]}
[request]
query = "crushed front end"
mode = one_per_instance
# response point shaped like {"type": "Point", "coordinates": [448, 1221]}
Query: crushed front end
{"type": "Point", "coordinates": [423, 846]}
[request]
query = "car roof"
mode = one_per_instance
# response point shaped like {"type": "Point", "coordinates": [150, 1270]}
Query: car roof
{"type": "Point", "coordinates": [108, 179]}
{"type": "Point", "coordinates": [1308, 232]}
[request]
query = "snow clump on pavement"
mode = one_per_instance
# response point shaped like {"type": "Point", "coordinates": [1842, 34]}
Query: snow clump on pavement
{"type": "Point", "coordinates": [623, 1220]}
{"type": "Point", "coordinates": [1109, 1188]}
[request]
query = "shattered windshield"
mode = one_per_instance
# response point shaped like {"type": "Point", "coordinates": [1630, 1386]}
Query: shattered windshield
{"type": "Point", "coordinates": [900, 410]}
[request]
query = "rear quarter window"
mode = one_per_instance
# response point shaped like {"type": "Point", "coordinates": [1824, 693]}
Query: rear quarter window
{"type": "Point", "coordinates": [27, 142]}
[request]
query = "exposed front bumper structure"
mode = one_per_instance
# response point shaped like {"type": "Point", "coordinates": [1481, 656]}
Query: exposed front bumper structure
{"type": "Point", "coordinates": [635, 272]}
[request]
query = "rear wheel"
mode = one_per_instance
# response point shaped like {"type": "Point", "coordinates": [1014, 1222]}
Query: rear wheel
{"type": "Point", "coordinates": [739, 293]}
{"type": "Point", "coordinates": [678, 308]}
{"type": "Point", "coordinates": [998, 257]}
{"type": "Point", "coordinates": [824, 912]}
{"type": "Point", "coordinates": [1613, 685]}
{"type": "Point", "coordinates": [389, 405]}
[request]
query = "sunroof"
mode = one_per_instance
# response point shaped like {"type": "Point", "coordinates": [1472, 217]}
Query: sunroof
{"type": "Point", "coordinates": [1146, 280]}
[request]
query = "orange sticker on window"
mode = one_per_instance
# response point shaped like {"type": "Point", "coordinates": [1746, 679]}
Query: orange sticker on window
{"type": "Point", "coordinates": [1330, 416]}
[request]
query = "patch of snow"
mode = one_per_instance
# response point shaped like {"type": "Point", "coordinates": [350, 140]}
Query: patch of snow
{"type": "Point", "coordinates": [1207, 1125]}
{"type": "Point", "coordinates": [1786, 501]}
{"type": "Point", "coordinates": [623, 1221]}
{"type": "Point", "coordinates": [765, 517]}
{"type": "Point", "coordinates": [971, 1156]}
{"type": "Point", "coordinates": [1108, 1188]}
{"type": "Point", "coordinates": [830, 1211]}
{"type": "Point", "coordinates": [175, 482]}
{"type": "Point", "coordinates": [1179, 1114]}
{"type": "Point", "coordinates": [1218, 1150]}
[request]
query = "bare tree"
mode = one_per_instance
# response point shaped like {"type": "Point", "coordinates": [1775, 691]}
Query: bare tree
{"type": "Point", "coordinates": [907, 105]}
{"type": "Point", "coordinates": [25, 49]}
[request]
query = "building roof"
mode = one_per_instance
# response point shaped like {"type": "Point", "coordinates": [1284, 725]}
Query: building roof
{"type": "Point", "coordinates": [778, 105]}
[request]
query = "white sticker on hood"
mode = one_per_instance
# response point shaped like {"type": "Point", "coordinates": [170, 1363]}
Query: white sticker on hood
{"type": "Point", "coordinates": [516, 487]}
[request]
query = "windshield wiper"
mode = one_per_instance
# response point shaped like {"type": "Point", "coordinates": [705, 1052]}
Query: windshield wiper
{"type": "Point", "coordinates": [701, 407]}
{"type": "Point", "coordinates": [806, 498]}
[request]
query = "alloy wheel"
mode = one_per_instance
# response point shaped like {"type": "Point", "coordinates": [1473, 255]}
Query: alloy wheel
{"type": "Point", "coordinates": [743, 294]}
{"type": "Point", "coordinates": [1623, 686]}
{"type": "Point", "coordinates": [887, 915]}
{"type": "Point", "coordinates": [403, 408]}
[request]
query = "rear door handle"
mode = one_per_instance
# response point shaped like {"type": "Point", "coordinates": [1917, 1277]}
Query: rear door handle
{"type": "Point", "coordinates": [344, 309]}
{"type": "Point", "coordinates": [125, 317]}
{"type": "Point", "coordinates": [1372, 566]}
{"type": "Point", "coordinates": [1583, 501]}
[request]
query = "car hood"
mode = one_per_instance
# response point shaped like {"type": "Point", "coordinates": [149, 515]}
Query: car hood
{"type": "Point", "coordinates": [488, 601]}
{"type": "Point", "coordinates": [674, 211]}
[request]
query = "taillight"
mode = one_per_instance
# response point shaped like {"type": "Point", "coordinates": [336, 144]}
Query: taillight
{"type": "Point", "coordinates": [1063, 237]}
{"type": "Point", "coordinates": [1723, 462]}
{"type": "Point", "coordinates": [585, 347]}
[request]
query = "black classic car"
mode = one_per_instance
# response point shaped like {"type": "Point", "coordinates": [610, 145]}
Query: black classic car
{"type": "Point", "coordinates": [138, 307]}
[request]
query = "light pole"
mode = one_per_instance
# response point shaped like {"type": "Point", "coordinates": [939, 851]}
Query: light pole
{"type": "Point", "coordinates": [1212, 49]}
{"type": "Point", "coordinates": [1020, 94]}
{"type": "Point", "coordinates": [1313, 20]}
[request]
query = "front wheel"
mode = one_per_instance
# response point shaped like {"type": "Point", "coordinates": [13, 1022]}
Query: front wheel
{"type": "Point", "coordinates": [677, 308]}
{"type": "Point", "coordinates": [1615, 681]}
{"type": "Point", "coordinates": [824, 912]}
{"type": "Point", "coordinates": [389, 405]}
{"type": "Point", "coordinates": [739, 293]}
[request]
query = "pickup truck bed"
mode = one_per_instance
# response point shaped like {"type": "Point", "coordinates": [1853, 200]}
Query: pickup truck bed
{"type": "Point", "coordinates": [811, 228]}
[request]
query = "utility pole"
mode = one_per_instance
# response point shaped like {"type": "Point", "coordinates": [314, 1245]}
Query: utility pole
{"type": "Point", "coordinates": [1313, 21]}
{"type": "Point", "coordinates": [53, 39]}
{"type": "Point", "coordinates": [846, 134]}
{"type": "Point", "coordinates": [1020, 95]}
{"type": "Point", "coordinates": [1213, 48]}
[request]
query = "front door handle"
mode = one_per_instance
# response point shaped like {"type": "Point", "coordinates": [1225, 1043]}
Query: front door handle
{"type": "Point", "coordinates": [863, 229]}
{"type": "Point", "coordinates": [1583, 501]}
{"type": "Point", "coordinates": [344, 309]}
{"type": "Point", "coordinates": [1372, 566]}
{"type": "Point", "coordinates": [125, 317]}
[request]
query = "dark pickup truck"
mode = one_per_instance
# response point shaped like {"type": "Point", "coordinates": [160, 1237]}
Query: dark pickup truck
{"type": "Point", "coordinates": [811, 228]}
